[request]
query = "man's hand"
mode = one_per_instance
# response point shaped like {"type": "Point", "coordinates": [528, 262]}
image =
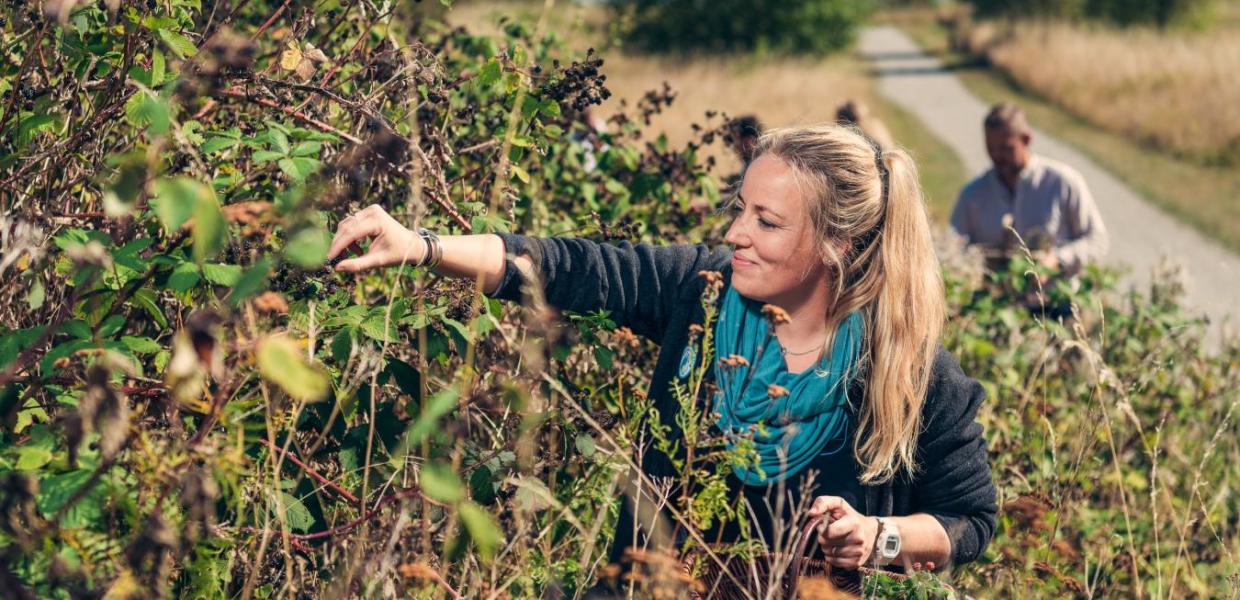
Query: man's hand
{"type": "Point", "coordinates": [1048, 259]}
{"type": "Point", "coordinates": [846, 535]}
{"type": "Point", "coordinates": [390, 242]}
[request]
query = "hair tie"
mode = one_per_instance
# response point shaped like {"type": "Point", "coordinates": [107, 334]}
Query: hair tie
{"type": "Point", "coordinates": [883, 174]}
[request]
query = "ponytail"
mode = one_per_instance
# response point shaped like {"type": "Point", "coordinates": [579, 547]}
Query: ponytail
{"type": "Point", "coordinates": [905, 322]}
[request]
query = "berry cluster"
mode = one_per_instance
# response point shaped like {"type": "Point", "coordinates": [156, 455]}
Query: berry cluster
{"type": "Point", "coordinates": [579, 85]}
{"type": "Point", "coordinates": [26, 94]}
{"type": "Point", "coordinates": [623, 229]}
{"type": "Point", "coordinates": [299, 284]}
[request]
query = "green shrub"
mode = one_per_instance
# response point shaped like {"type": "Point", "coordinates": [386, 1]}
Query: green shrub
{"type": "Point", "coordinates": [1161, 13]}
{"type": "Point", "coordinates": [790, 26]}
{"type": "Point", "coordinates": [193, 406]}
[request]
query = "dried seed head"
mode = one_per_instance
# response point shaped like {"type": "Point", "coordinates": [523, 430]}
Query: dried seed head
{"type": "Point", "coordinates": [775, 315]}
{"type": "Point", "coordinates": [713, 278]}
{"type": "Point", "coordinates": [776, 391]}
{"type": "Point", "coordinates": [416, 570]}
{"type": "Point", "coordinates": [271, 302]}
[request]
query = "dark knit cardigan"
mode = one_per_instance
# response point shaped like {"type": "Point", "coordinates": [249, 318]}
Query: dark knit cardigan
{"type": "Point", "coordinates": [656, 292]}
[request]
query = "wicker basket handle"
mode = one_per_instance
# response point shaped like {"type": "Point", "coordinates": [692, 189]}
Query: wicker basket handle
{"type": "Point", "coordinates": [807, 534]}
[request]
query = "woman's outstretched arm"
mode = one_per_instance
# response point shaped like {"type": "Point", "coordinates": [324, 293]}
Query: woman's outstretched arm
{"type": "Point", "coordinates": [464, 256]}
{"type": "Point", "coordinates": [639, 286]}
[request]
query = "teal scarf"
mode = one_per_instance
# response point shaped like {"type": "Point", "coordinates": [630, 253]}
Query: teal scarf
{"type": "Point", "coordinates": [796, 427]}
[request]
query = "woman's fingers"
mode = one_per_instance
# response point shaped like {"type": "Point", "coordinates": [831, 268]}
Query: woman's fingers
{"type": "Point", "coordinates": [842, 530]}
{"type": "Point", "coordinates": [826, 504]}
{"type": "Point", "coordinates": [845, 562]}
{"type": "Point", "coordinates": [362, 263]}
{"type": "Point", "coordinates": [350, 231]}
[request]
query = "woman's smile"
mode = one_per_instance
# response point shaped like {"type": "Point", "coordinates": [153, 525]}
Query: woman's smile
{"type": "Point", "coordinates": [740, 263]}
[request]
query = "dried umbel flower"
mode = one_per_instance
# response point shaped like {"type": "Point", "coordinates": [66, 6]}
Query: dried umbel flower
{"type": "Point", "coordinates": [21, 243]}
{"type": "Point", "coordinates": [90, 254]}
{"type": "Point", "coordinates": [775, 315]}
{"type": "Point", "coordinates": [271, 302]}
{"type": "Point", "coordinates": [713, 279]}
{"type": "Point", "coordinates": [625, 337]}
{"type": "Point", "coordinates": [198, 494]}
{"type": "Point", "coordinates": [102, 408]}
{"type": "Point", "coordinates": [18, 517]}
{"type": "Point", "coordinates": [776, 391]}
{"type": "Point", "coordinates": [733, 361]}
{"type": "Point", "coordinates": [417, 570]}
{"type": "Point", "coordinates": [150, 552]}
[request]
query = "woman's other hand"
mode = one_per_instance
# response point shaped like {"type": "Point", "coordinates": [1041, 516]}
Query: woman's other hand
{"type": "Point", "coordinates": [390, 242]}
{"type": "Point", "coordinates": [846, 536]}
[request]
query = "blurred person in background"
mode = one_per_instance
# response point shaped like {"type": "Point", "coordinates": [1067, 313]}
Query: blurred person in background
{"type": "Point", "coordinates": [1027, 200]}
{"type": "Point", "coordinates": [855, 112]}
{"type": "Point", "coordinates": [743, 133]}
{"type": "Point", "coordinates": [591, 139]}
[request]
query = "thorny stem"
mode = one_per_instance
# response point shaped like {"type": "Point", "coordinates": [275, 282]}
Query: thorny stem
{"type": "Point", "coordinates": [311, 472]}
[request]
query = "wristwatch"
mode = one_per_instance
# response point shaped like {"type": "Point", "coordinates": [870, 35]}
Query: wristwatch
{"type": "Point", "coordinates": [887, 544]}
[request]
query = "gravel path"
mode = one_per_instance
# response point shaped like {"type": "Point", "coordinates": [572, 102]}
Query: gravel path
{"type": "Point", "coordinates": [1141, 234]}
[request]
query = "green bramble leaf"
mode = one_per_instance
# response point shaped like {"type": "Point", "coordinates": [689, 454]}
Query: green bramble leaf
{"type": "Point", "coordinates": [441, 483]}
{"type": "Point", "coordinates": [281, 362]}
{"type": "Point", "coordinates": [483, 529]}
{"type": "Point", "coordinates": [210, 230]}
{"type": "Point", "coordinates": [176, 199]}
{"type": "Point", "coordinates": [308, 247]}
{"type": "Point", "coordinates": [179, 44]}
{"type": "Point", "coordinates": [220, 274]}
{"type": "Point", "coordinates": [296, 514]}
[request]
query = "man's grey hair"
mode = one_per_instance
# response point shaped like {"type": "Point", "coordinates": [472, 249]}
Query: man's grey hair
{"type": "Point", "coordinates": [1007, 115]}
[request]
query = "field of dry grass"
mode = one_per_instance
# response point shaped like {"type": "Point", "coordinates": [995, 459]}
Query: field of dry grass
{"type": "Point", "coordinates": [780, 92]}
{"type": "Point", "coordinates": [1177, 90]}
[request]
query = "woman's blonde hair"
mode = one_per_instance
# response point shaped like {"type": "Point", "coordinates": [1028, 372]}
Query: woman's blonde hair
{"type": "Point", "coordinates": [867, 201]}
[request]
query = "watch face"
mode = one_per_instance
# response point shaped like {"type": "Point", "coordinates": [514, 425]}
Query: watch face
{"type": "Point", "coordinates": [890, 546]}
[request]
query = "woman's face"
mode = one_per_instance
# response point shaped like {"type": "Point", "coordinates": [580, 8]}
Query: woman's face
{"type": "Point", "coordinates": [776, 259]}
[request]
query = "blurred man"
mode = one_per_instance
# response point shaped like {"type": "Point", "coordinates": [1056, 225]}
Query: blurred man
{"type": "Point", "coordinates": [1028, 200]}
{"type": "Point", "coordinates": [856, 112]}
{"type": "Point", "coordinates": [742, 137]}
{"type": "Point", "coordinates": [743, 133]}
{"type": "Point", "coordinates": [591, 139]}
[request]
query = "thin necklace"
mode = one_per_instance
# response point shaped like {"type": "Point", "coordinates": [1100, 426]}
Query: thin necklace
{"type": "Point", "coordinates": [785, 352]}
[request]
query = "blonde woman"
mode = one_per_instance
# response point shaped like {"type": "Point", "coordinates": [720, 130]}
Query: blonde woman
{"type": "Point", "coordinates": [878, 421]}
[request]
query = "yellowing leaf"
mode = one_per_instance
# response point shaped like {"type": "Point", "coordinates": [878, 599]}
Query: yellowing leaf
{"type": "Point", "coordinates": [282, 363]}
{"type": "Point", "coordinates": [291, 57]}
{"type": "Point", "coordinates": [305, 69]}
{"type": "Point", "coordinates": [314, 54]}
